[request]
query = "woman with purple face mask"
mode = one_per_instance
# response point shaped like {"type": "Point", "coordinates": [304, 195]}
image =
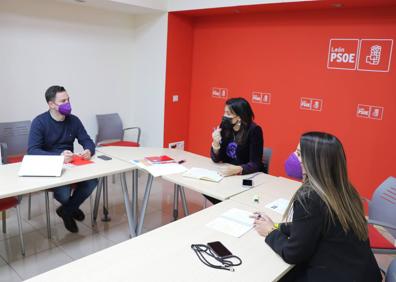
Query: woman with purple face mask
{"type": "Point", "coordinates": [237, 141]}
{"type": "Point", "coordinates": [325, 232]}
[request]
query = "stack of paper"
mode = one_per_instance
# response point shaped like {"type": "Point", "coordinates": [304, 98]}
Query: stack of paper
{"type": "Point", "coordinates": [160, 169]}
{"type": "Point", "coordinates": [203, 174]}
{"type": "Point", "coordinates": [234, 222]}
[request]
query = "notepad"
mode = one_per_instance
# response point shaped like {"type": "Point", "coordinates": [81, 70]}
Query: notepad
{"type": "Point", "coordinates": [279, 205]}
{"type": "Point", "coordinates": [234, 222]}
{"type": "Point", "coordinates": [203, 174]}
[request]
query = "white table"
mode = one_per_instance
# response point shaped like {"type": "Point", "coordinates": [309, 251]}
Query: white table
{"type": "Point", "coordinates": [165, 255]}
{"type": "Point", "coordinates": [13, 185]}
{"type": "Point", "coordinates": [228, 187]}
{"type": "Point", "coordinates": [279, 187]}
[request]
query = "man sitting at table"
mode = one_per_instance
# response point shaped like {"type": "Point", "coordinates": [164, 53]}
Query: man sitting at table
{"type": "Point", "coordinates": [53, 133]}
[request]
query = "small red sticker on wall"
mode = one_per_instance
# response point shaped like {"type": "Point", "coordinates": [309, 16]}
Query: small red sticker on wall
{"type": "Point", "coordinates": [261, 98]}
{"type": "Point", "coordinates": [312, 104]}
{"type": "Point", "coordinates": [221, 93]}
{"type": "Point", "coordinates": [375, 55]}
{"type": "Point", "coordinates": [343, 54]}
{"type": "Point", "coordinates": [371, 112]}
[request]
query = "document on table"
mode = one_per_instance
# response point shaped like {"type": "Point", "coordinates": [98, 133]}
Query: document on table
{"type": "Point", "coordinates": [160, 169]}
{"type": "Point", "coordinates": [279, 205]}
{"type": "Point", "coordinates": [234, 222]}
{"type": "Point", "coordinates": [203, 174]}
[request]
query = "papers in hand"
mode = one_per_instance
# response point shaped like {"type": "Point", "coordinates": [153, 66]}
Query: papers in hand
{"type": "Point", "coordinates": [278, 205]}
{"type": "Point", "coordinates": [234, 222]}
{"type": "Point", "coordinates": [203, 174]}
{"type": "Point", "coordinates": [160, 169]}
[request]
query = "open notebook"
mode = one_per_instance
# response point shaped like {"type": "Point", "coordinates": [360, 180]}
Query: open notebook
{"type": "Point", "coordinates": [203, 174]}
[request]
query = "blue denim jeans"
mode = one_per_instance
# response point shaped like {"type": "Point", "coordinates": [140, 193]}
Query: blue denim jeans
{"type": "Point", "coordinates": [71, 199]}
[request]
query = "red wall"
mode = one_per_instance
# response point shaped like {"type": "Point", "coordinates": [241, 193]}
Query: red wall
{"type": "Point", "coordinates": [285, 53]}
{"type": "Point", "coordinates": [178, 78]}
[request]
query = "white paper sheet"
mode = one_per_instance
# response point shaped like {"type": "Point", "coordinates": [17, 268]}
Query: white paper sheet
{"type": "Point", "coordinates": [234, 222]}
{"type": "Point", "coordinates": [161, 169]}
{"type": "Point", "coordinates": [278, 205]}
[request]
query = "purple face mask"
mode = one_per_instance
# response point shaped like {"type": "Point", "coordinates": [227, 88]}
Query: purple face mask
{"type": "Point", "coordinates": [293, 167]}
{"type": "Point", "coordinates": [65, 109]}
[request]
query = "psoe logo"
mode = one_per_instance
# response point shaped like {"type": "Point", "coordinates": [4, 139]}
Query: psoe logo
{"type": "Point", "coordinates": [343, 54]}
{"type": "Point", "coordinates": [221, 93]}
{"type": "Point", "coordinates": [261, 98]}
{"type": "Point", "coordinates": [256, 97]}
{"type": "Point", "coordinates": [363, 111]}
{"type": "Point", "coordinates": [375, 55]}
{"type": "Point", "coordinates": [305, 103]}
{"type": "Point", "coordinates": [370, 112]}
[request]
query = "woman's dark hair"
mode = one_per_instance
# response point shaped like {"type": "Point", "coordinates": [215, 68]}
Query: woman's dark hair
{"type": "Point", "coordinates": [241, 108]}
{"type": "Point", "coordinates": [324, 162]}
{"type": "Point", "coordinates": [51, 92]}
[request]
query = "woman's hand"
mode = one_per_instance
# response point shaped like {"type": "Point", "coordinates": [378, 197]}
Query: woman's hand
{"type": "Point", "coordinates": [263, 224]}
{"type": "Point", "coordinates": [216, 136]}
{"type": "Point", "coordinates": [229, 170]}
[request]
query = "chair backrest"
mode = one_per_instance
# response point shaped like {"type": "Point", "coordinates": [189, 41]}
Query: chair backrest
{"type": "Point", "coordinates": [109, 127]}
{"type": "Point", "coordinates": [382, 206]}
{"type": "Point", "coordinates": [267, 154]}
{"type": "Point", "coordinates": [3, 152]}
{"type": "Point", "coordinates": [391, 272]}
{"type": "Point", "coordinates": [15, 135]}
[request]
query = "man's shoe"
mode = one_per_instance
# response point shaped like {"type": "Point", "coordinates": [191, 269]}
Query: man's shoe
{"type": "Point", "coordinates": [68, 220]}
{"type": "Point", "coordinates": [78, 215]}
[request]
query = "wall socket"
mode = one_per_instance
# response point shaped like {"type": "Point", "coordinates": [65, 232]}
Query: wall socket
{"type": "Point", "coordinates": [177, 145]}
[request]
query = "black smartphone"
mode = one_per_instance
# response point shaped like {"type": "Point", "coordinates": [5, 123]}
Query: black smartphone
{"type": "Point", "coordinates": [103, 157]}
{"type": "Point", "coordinates": [219, 249]}
{"type": "Point", "coordinates": [247, 182]}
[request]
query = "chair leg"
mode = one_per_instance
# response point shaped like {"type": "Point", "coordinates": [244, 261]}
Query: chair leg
{"type": "Point", "coordinates": [20, 230]}
{"type": "Point", "coordinates": [47, 210]}
{"type": "Point", "coordinates": [30, 207]}
{"type": "Point", "coordinates": [4, 220]}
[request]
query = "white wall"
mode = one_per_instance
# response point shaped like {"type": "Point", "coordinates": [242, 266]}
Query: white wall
{"type": "Point", "coordinates": [91, 52]}
{"type": "Point", "coordinates": [149, 76]}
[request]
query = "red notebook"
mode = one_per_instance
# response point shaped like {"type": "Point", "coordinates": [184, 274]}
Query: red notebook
{"type": "Point", "coordinates": [160, 159]}
{"type": "Point", "coordinates": [77, 160]}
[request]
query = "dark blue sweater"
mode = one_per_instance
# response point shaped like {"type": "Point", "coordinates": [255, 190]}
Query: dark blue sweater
{"type": "Point", "coordinates": [50, 137]}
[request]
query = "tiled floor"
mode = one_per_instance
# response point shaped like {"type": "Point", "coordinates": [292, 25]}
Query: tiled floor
{"type": "Point", "coordinates": [43, 254]}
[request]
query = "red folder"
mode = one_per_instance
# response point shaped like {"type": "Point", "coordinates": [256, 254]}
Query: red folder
{"type": "Point", "coordinates": [77, 160]}
{"type": "Point", "coordinates": [160, 159]}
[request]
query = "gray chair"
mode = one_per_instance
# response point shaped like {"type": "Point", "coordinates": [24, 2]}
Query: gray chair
{"type": "Point", "coordinates": [382, 212]}
{"type": "Point", "coordinates": [111, 131]}
{"type": "Point", "coordinates": [267, 154]}
{"type": "Point", "coordinates": [13, 143]}
{"type": "Point", "coordinates": [15, 135]}
{"type": "Point", "coordinates": [391, 272]}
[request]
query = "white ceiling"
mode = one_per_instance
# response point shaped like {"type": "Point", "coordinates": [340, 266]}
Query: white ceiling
{"type": "Point", "coordinates": [150, 6]}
